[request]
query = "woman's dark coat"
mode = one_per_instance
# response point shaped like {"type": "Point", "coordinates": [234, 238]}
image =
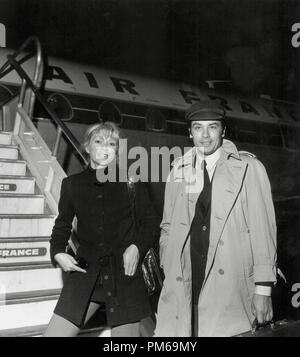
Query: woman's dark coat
{"type": "Point", "coordinates": [105, 228]}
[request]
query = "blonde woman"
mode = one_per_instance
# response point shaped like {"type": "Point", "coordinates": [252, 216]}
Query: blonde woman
{"type": "Point", "coordinates": [106, 271]}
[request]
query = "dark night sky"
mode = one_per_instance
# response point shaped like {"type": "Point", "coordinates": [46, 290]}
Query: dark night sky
{"type": "Point", "coordinates": [247, 42]}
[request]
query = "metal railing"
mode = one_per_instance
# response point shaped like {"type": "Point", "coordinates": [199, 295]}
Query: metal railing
{"type": "Point", "coordinates": [34, 85]}
{"type": "Point", "coordinates": [38, 70]}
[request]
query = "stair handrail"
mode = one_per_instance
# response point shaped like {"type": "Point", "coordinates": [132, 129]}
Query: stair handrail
{"type": "Point", "coordinates": [38, 70]}
{"type": "Point", "coordinates": [26, 81]}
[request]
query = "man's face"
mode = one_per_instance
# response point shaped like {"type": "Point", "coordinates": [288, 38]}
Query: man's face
{"type": "Point", "coordinates": [207, 135]}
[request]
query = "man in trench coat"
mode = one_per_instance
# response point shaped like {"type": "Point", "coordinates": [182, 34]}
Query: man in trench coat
{"type": "Point", "coordinates": [219, 266]}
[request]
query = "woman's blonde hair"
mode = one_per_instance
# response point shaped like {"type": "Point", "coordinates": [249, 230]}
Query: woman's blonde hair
{"type": "Point", "coordinates": [108, 130]}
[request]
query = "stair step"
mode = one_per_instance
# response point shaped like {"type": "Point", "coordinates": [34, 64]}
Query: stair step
{"type": "Point", "coordinates": [24, 312]}
{"type": "Point", "coordinates": [17, 184]}
{"type": "Point", "coordinates": [26, 225]}
{"type": "Point", "coordinates": [38, 331]}
{"type": "Point", "coordinates": [27, 314]}
{"type": "Point", "coordinates": [24, 251]}
{"type": "Point", "coordinates": [25, 280]}
{"type": "Point", "coordinates": [30, 266]}
{"type": "Point", "coordinates": [10, 152]}
{"type": "Point", "coordinates": [5, 138]}
{"type": "Point", "coordinates": [21, 204]}
{"type": "Point", "coordinates": [12, 167]}
{"type": "Point", "coordinates": [29, 297]}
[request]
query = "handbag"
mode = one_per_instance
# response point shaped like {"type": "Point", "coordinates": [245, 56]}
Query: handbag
{"type": "Point", "coordinates": [152, 272]}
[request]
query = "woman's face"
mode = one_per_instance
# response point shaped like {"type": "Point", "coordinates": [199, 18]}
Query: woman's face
{"type": "Point", "coordinates": [102, 150]}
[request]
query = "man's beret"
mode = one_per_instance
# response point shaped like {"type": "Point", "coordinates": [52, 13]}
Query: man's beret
{"type": "Point", "coordinates": [205, 110]}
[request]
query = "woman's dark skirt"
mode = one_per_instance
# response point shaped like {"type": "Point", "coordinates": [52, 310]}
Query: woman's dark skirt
{"type": "Point", "coordinates": [80, 289]}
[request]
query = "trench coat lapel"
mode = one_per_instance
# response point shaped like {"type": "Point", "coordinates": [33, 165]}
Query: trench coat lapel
{"type": "Point", "coordinates": [181, 175]}
{"type": "Point", "coordinates": [193, 184]}
{"type": "Point", "coordinates": [226, 186]}
{"type": "Point", "coordinates": [190, 188]}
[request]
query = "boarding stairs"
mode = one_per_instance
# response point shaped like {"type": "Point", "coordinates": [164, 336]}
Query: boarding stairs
{"type": "Point", "coordinates": [28, 283]}
{"type": "Point", "coordinates": [30, 180]}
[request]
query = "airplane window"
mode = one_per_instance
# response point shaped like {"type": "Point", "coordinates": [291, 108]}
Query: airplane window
{"type": "Point", "coordinates": [294, 112]}
{"type": "Point", "coordinates": [61, 106]}
{"type": "Point", "coordinates": [178, 128]}
{"type": "Point", "coordinates": [5, 94]}
{"type": "Point", "coordinates": [176, 123]}
{"type": "Point", "coordinates": [248, 132]}
{"type": "Point", "coordinates": [271, 135]}
{"type": "Point", "coordinates": [155, 120]}
{"type": "Point", "coordinates": [175, 115]}
{"type": "Point", "coordinates": [110, 112]}
{"type": "Point", "coordinates": [134, 110]}
{"type": "Point", "coordinates": [291, 137]}
{"type": "Point", "coordinates": [230, 131]}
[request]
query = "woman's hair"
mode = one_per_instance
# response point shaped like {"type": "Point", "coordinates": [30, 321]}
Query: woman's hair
{"type": "Point", "coordinates": [108, 130]}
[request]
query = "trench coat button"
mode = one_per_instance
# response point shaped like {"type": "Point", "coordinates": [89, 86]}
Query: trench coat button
{"type": "Point", "coordinates": [176, 317]}
{"type": "Point", "coordinates": [100, 196]}
{"type": "Point", "coordinates": [221, 271]}
{"type": "Point", "coordinates": [111, 309]}
{"type": "Point", "coordinates": [178, 278]}
{"type": "Point", "coordinates": [100, 229]}
{"type": "Point", "coordinates": [204, 228]}
{"type": "Point", "coordinates": [108, 293]}
{"type": "Point", "coordinates": [221, 242]}
{"type": "Point", "coordinates": [105, 277]}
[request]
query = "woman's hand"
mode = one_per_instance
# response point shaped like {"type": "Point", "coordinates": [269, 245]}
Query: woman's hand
{"type": "Point", "coordinates": [131, 258]}
{"type": "Point", "coordinates": [67, 262]}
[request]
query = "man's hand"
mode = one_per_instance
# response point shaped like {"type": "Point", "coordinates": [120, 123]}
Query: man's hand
{"type": "Point", "coordinates": [67, 262]}
{"type": "Point", "coordinates": [262, 308]}
{"type": "Point", "coordinates": [131, 258]}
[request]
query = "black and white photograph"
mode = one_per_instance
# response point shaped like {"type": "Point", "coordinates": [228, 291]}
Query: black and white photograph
{"type": "Point", "coordinates": [150, 170]}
